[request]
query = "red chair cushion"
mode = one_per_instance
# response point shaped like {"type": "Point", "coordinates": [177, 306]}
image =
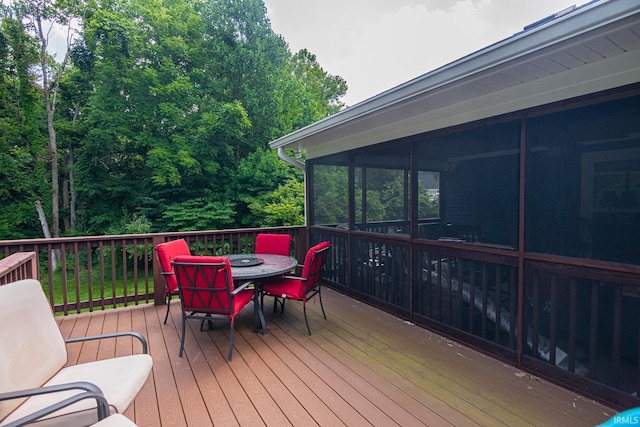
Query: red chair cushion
{"type": "Point", "coordinates": [287, 287]}
{"type": "Point", "coordinates": [167, 252]}
{"type": "Point", "coordinates": [276, 244]}
{"type": "Point", "coordinates": [310, 253]}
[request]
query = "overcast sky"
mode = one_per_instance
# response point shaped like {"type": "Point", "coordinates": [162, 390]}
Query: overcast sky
{"type": "Point", "coordinates": [376, 45]}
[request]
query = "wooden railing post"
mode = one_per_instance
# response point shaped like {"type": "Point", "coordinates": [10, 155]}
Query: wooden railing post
{"type": "Point", "coordinates": [159, 284]}
{"type": "Point", "coordinates": [301, 244]}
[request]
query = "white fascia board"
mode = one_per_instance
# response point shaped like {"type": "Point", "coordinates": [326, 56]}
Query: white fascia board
{"type": "Point", "coordinates": [606, 74]}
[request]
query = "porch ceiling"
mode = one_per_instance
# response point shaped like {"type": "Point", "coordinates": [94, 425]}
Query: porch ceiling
{"type": "Point", "coordinates": [594, 48]}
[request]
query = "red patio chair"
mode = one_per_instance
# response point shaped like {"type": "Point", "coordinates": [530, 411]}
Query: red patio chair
{"type": "Point", "coordinates": [166, 254]}
{"type": "Point", "coordinates": [276, 244]}
{"type": "Point", "coordinates": [303, 287]}
{"type": "Point", "coordinates": [206, 290]}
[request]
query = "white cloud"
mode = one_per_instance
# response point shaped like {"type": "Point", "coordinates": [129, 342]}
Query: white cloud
{"type": "Point", "coordinates": [377, 44]}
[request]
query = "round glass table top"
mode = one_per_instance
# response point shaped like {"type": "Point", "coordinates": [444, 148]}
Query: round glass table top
{"type": "Point", "coordinates": [257, 266]}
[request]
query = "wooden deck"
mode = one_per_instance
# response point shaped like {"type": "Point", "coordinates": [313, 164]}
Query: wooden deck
{"type": "Point", "coordinates": [360, 367]}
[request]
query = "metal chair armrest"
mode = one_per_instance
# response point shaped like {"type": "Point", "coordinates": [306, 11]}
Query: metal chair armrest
{"type": "Point", "coordinates": [140, 338]}
{"type": "Point", "coordinates": [304, 279]}
{"type": "Point", "coordinates": [91, 391]}
{"type": "Point", "coordinates": [242, 287]}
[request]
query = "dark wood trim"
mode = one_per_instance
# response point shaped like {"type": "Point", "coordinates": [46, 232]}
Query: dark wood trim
{"type": "Point", "coordinates": [521, 236]}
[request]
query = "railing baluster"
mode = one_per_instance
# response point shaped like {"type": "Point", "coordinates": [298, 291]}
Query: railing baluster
{"type": "Point", "coordinates": [593, 330]}
{"type": "Point", "coordinates": [553, 323]}
{"type": "Point", "coordinates": [472, 293]}
{"type": "Point", "coordinates": [89, 275]}
{"type": "Point", "coordinates": [485, 297]}
{"type": "Point", "coordinates": [76, 275]}
{"type": "Point", "coordinates": [617, 332]}
{"type": "Point", "coordinates": [113, 273]}
{"type": "Point", "coordinates": [135, 271]}
{"type": "Point", "coordinates": [637, 380]}
{"type": "Point", "coordinates": [124, 273]}
{"type": "Point", "coordinates": [513, 302]}
{"type": "Point", "coordinates": [573, 323]}
{"type": "Point", "coordinates": [535, 321]}
{"type": "Point", "coordinates": [102, 282]}
{"type": "Point", "coordinates": [65, 288]}
{"type": "Point", "coordinates": [497, 304]}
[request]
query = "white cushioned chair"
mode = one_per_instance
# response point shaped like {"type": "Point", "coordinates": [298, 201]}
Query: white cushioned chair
{"type": "Point", "coordinates": [33, 356]}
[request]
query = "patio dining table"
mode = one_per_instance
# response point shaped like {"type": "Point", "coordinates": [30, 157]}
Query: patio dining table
{"type": "Point", "coordinates": [255, 268]}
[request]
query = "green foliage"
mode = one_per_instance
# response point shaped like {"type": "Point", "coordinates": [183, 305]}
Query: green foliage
{"type": "Point", "coordinates": [200, 214]}
{"type": "Point", "coordinates": [130, 224]}
{"type": "Point", "coordinates": [258, 174]}
{"type": "Point", "coordinates": [164, 113]}
{"type": "Point", "coordinates": [282, 207]}
{"type": "Point", "coordinates": [22, 140]}
{"type": "Point", "coordinates": [331, 195]}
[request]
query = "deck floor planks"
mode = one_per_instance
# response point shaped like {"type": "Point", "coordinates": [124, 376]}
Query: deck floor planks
{"type": "Point", "coordinates": [163, 377]}
{"type": "Point", "coordinates": [451, 385]}
{"type": "Point", "coordinates": [360, 367]}
{"type": "Point", "coordinates": [146, 409]}
{"type": "Point", "coordinates": [284, 402]}
{"type": "Point", "coordinates": [212, 346]}
{"type": "Point", "coordinates": [499, 378]}
{"type": "Point", "coordinates": [394, 387]}
{"type": "Point", "coordinates": [189, 393]}
{"type": "Point", "coordinates": [494, 377]}
{"type": "Point", "coordinates": [356, 370]}
{"type": "Point", "coordinates": [450, 377]}
{"type": "Point", "coordinates": [344, 386]}
{"type": "Point", "coordinates": [450, 409]}
{"type": "Point", "coordinates": [292, 385]}
{"type": "Point", "coordinates": [318, 385]}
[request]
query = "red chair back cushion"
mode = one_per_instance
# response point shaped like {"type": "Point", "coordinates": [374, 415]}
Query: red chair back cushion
{"type": "Point", "coordinates": [313, 264]}
{"type": "Point", "coordinates": [276, 244]}
{"type": "Point", "coordinates": [167, 252]}
{"type": "Point", "coordinates": [205, 283]}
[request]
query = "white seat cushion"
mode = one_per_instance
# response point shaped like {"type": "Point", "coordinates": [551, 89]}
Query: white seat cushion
{"type": "Point", "coordinates": [115, 420]}
{"type": "Point", "coordinates": [119, 378]}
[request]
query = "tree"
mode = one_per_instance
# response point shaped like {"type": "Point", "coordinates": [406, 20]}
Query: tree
{"type": "Point", "coordinates": [282, 207]}
{"type": "Point", "coordinates": [259, 174]}
{"type": "Point", "coordinates": [164, 112]}
{"type": "Point", "coordinates": [21, 140]}
{"type": "Point", "coordinates": [40, 18]}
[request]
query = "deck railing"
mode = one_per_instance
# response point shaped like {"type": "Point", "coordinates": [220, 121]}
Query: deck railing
{"type": "Point", "coordinates": [99, 272]}
{"type": "Point", "coordinates": [18, 266]}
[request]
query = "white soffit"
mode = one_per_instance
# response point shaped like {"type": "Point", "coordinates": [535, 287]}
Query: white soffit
{"type": "Point", "coordinates": [595, 48]}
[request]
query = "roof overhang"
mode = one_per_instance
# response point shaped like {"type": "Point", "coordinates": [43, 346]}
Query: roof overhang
{"type": "Point", "coordinates": [594, 48]}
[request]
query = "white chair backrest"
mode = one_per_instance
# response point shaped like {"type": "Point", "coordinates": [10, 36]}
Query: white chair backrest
{"type": "Point", "coordinates": [32, 349]}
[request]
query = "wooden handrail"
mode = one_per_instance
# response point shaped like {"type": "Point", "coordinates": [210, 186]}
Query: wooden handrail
{"type": "Point", "coordinates": [18, 266]}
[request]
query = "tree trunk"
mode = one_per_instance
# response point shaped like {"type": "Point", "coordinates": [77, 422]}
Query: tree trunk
{"type": "Point", "coordinates": [72, 191]}
{"type": "Point", "coordinates": [66, 198]}
{"type": "Point", "coordinates": [68, 193]}
{"type": "Point", "coordinates": [55, 183]}
{"type": "Point", "coordinates": [50, 98]}
{"type": "Point", "coordinates": [46, 232]}
{"type": "Point", "coordinates": [72, 204]}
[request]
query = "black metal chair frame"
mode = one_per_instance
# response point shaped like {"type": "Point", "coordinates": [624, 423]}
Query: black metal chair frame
{"type": "Point", "coordinates": [90, 391]}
